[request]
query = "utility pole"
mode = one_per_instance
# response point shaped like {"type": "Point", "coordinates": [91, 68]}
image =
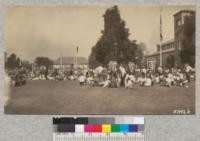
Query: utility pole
{"type": "Point", "coordinates": [61, 61]}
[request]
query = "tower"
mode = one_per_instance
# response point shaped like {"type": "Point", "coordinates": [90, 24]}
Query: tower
{"type": "Point", "coordinates": [179, 19]}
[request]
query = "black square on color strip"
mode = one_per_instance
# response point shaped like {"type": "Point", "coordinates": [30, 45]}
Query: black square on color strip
{"type": "Point", "coordinates": [56, 120]}
{"type": "Point", "coordinates": [82, 120]}
{"type": "Point", "coordinates": [66, 128]}
{"type": "Point", "coordinates": [63, 120]}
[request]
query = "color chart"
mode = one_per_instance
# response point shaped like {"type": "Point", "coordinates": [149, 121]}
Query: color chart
{"type": "Point", "coordinates": [98, 129]}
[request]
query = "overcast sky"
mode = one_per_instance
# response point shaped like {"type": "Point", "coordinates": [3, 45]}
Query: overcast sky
{"type": "Point", "coordinates": [32, 31]}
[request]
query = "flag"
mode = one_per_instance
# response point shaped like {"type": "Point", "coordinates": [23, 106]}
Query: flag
{"type": "Point", "coordinates": [77, 49]}
{"type": "Point", "coordinates": [161, 36]}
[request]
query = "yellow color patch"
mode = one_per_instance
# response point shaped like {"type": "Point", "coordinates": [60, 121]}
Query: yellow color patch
{"type": "Point", "coordinates": [106, 128]}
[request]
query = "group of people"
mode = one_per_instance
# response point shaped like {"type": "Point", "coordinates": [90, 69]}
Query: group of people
{"type": "Point", "coordinates": [55, 74]}
{"type": "Point", "coordinates": [111, 77]}
{"type": "Point", "coordinates": [121, 77]}
{"type": "Point", "coordinates": [17, 76]}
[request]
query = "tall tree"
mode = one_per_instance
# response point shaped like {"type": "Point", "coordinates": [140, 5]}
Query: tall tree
{"type": "Point", "coordinates": [140, 52]}
{"type": "Point", "coordinates": [43, 61]}
{"type": "Point", "coordinates": [27, 65]}
{"type": "Point", "coordinates": [188, 42]}
{"type": "Point", "coordinates": [114, 43]}
{"type": "Point", "coordinates": [12, 61]}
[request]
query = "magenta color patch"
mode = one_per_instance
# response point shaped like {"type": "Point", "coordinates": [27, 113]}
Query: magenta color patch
{"type": "Point", "coordinates": [88, 128]}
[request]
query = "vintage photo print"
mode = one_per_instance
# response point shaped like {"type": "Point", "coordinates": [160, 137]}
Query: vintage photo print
{"type": "Point", "coordinates": [105, 60]}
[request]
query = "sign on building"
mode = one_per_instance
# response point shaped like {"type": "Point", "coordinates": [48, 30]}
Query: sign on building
{"type": "Point", "coordinates": [151, 64]}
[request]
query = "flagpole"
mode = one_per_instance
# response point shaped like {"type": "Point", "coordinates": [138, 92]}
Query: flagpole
{"type": "Point", "coordinates": [160, 53]}
{"type": "Point", "coordinates": [161, 38]}
{"type": "Point", "coordinates": [77, 55]}
{"type": "Point", "coordinates": [74, 59]}
{"type": "Point", "coordinates": [32, 61]}
{"type": "Point", "coordinates": [61, 67]}
{"type": "Point", "coordinates": [61, 61]}
{"type": "Point", "coordinates": [20, 60]}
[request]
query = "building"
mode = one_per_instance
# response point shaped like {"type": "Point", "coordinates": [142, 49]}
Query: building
{"type": "Point", "coordinates": [170, 50]}
{"type": "Point", "coordinates": [67, 63]}
{"type": "Point", "coordinates": [168, 53]}
{"type": "Point", "coordinates": [179, 19]}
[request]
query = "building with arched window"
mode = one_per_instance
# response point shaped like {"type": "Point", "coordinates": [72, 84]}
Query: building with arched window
{"type": "Point", "coordinates": [170, 50]}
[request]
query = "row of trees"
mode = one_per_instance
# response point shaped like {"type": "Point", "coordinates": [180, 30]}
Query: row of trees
{"type": "Point", "coordinates": [13, 61]}
{"type": "Point", "coordinates": [114, 43]}
{"type": "Point", "coordinates": [43, 61]}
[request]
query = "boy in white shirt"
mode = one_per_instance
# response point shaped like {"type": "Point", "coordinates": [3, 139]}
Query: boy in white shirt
{"type": "Point", "coordinates": [81, 79]}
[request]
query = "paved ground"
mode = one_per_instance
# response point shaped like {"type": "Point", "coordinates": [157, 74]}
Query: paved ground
{"type": "Point", "coordinates": [67, 97]}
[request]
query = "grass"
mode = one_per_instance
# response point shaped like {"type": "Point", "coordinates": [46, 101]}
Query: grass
{"type": "Point", "coordinates": [67, 97]}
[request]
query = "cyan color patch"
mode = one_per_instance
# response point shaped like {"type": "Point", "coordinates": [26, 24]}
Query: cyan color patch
{"type": "Point", "coordinates": [124, 128]}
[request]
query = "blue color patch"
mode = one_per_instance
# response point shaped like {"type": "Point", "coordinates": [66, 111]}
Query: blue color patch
{"type": "Point", "coordinates": [124, 128]}
{"type": "Point", "coordinates": [133, 128]}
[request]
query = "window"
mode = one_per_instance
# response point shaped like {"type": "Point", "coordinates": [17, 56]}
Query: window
{"type": "Point", "coordinates": [179, 22]}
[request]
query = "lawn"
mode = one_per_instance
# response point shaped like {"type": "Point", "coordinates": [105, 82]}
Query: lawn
{"type": "Point", "coordinates": [67, 97]}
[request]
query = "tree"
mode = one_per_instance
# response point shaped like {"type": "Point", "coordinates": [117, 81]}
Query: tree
{"type": "Point", "coordinates": [93, 63]}
{"type": "Point", "coordinates": [140, 53]}
{"type": "Point", "coordinates": [27, 65]}
{"type": "Point", "coordinates": [114, 43]}
{"type": "Point", "coordinates": [187, 54]}
{"type": "Point", "coordinates": [170, 61]}
{"type": "Point", "coordinates": [12, 61]}
{"type": "Point", "coordinates": [43, 61]}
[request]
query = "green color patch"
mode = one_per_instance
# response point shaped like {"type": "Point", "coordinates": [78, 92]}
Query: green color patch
{"type": "Point", "coordinates": [115, 128]}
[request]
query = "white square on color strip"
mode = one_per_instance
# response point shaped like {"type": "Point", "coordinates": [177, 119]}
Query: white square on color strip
{"type": "Point", "coordinates": [79, 128]}
{"type": "Point", "coordinates": [138, 120]}
{"type": "Point", "coordinates": [128, 120]}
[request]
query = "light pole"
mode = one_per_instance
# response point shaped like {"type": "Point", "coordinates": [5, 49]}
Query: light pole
{"type": "Point", "coordinates": [20, 60]}
{"type": "Point", "coordinates": [136, 61]}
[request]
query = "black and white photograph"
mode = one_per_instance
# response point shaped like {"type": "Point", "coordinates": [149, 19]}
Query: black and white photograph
{"type": "Point", "coordinates": [99, 59]}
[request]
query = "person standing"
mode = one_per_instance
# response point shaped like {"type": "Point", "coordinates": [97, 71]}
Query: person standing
{"type": "Point", "coordinates": [81, 79]}
{"type": "Point", "coordinates": [188, 70]}
{"type": "Point", "coordinates": [46, 73]}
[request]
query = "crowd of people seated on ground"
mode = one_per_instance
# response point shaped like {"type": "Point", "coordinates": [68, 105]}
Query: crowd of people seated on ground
{"type": "Point", "coordinates": [119, 76]}
{"type": "Point", "coordinates": [140, 76]}
{"type": "Point", "coordinates": [55, 74]}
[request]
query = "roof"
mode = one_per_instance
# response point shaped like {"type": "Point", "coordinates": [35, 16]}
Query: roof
{"type": "Point", "coordinates": [168, 42]}
{"type": "Point", "coordinates": [70, 60]}
{"type": "Point", "coordinates": [157, 53]}
{"type": "Point", "coordinates": [184, 11]}
{"type": "Point", "coordinates": [164, 51]}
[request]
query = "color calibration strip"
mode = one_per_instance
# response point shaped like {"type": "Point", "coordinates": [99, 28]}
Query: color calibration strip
{"type": "Point", "coordinates": [99, 129]}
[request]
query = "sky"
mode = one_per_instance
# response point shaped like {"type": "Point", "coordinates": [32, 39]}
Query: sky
{"type": "Point", "coordinates": [32, 31]}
